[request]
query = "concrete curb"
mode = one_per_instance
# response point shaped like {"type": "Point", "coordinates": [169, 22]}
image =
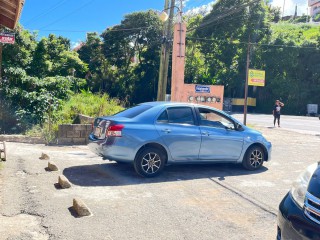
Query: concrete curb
{"type": "Point", "coordinates": [22, 139]}
{"type": "Point", "coordinates": [64, 182]}
{"type": "Point", "coordinates": [81, 208]}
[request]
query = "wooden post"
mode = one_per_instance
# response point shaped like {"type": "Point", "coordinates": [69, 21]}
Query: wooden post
{"type": "Point", "coordinates": [165, 53]}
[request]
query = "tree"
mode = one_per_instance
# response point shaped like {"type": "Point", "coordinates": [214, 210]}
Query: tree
{"type": "Point", "coordinates": [196, 69]}
{"type": "Point", "coordinates": [41, 64]}
{"type": "Point", "coordinates": [293, 71]}
{"type": "Point", "coordinates": [132, 49]}
{"type": "Point", "coordinates": [19, 54]}
{"type": "Point", "coordinates": [229, 27]}
{"type": "Point", "coordinates": [99, 68]}
{"type": "Point", "coordinates": [53, 57]}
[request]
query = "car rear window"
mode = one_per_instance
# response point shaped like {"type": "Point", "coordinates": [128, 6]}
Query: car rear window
{"type": "Point", "coordinates": [134, 111]}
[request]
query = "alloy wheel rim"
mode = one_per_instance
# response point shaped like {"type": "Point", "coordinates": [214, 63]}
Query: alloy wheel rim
{"type": "Point", "coordinates": [256, 158]}
{"type": "Point", "coordinates": [151, 163]}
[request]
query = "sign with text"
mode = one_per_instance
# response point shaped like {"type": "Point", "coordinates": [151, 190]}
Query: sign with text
{"type": "Point", "coordinates": [7, 38]}
{"type": "Point", "coordinates": [256, 78]}
{"type": "Point", "coordinates": [202, 89]}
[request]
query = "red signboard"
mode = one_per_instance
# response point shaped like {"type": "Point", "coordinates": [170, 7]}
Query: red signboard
{"type": "Point", "coordinates": [7, 38]}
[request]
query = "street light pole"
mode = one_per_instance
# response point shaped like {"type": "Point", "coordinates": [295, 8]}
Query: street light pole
{"type": "Point", "coordinates": [165, 53]}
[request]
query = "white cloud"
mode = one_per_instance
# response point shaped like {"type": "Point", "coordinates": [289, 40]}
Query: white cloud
{"type": "Point", "coordinates": [76, 44]}
{"type": "Point", "coordinates": [203, 10]}
{"type": "Point", "coordinates": [290, 6]}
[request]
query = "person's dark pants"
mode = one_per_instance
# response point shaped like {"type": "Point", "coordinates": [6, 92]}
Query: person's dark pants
{"type": "Point", "coordinates": [276, 117]}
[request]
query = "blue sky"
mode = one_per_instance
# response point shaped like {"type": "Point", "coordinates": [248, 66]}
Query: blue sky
{"type": "Point", "coordinates": [73, 18]}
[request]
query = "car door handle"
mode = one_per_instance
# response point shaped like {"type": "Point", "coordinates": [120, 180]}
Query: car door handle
{"type": "Point", "coordinates": [166, 130]}
{"type": "Point", "coordinates": [205, 133]}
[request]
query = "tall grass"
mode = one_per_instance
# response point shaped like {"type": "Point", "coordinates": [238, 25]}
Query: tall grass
{"type": "Point", "coordinates": [89, 104]}
{"type": "Point", "coordinates": [85, 103]}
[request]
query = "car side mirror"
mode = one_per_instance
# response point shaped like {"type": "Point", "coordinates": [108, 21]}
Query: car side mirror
{"type": "Point", "coordinates": [239, 127]}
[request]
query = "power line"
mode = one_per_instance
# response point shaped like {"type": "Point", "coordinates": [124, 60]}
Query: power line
{"type": "Point", "coordinates": [46, 11]}
{"type": "Point", "coordinates": [69, 14]}
{"type": "Point", "coordinates": [111, 30]}
{"type": "Point", "coordinates": [256, 44]}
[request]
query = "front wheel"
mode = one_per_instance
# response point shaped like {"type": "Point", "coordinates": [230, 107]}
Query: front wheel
{"type": "Point", "coordinates": [149, 162]}
{"type": "Point", "coordinates": [254, 158]}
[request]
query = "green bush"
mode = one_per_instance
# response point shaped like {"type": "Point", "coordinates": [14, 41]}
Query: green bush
{"type": "Point", "coordinates": [85, 103]}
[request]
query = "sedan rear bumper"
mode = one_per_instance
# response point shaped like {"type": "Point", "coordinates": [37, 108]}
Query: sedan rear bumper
{"type": "Point", "coordinates": [111, 148]}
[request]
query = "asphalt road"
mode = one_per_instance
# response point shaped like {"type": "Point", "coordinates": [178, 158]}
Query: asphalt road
{"type": "Point", "coordinates": [219, 201]}
{"type": "Point", "coordinates": [301, 124]}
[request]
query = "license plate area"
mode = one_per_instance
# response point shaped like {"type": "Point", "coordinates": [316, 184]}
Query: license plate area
{"type": "Point", "coordinates": [97, 132]}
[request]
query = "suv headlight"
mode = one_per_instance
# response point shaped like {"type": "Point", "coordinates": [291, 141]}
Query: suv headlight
{"type": "Point", "coordinates": [300, 186]}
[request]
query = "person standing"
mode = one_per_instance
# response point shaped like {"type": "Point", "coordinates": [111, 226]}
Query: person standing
{"type": "Point", "coordinates": [277, 112]}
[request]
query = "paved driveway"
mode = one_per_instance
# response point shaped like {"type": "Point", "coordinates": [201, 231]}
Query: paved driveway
{"type": "Point", "coordinates": [219, 201]}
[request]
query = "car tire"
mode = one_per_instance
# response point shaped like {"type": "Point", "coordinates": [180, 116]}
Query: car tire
{"type": "Point", "coordinates": [254, 158]}
{"type": "Point", "coordinates": [149, 162]}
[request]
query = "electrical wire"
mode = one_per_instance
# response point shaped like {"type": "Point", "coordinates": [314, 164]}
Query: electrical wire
{"type": "Point", "coordinates": [45, 12]}
{"type": "Point", "coordinates": [69, 14]}
{"type": "Point", "coordinates": [256, 44]}
{"type": "Point", "coordinates": [111, 30]}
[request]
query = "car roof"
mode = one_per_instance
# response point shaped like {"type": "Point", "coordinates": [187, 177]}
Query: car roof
{"type": "Point", "coordinates": [163, 103]}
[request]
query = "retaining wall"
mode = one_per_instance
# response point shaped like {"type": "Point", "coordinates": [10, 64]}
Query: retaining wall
{"type": "Point", "coordinates": [74, 134]}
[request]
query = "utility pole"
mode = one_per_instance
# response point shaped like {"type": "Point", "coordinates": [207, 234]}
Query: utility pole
{"type": "Point", "coordinates": [246, 85]}
{"type": "Point", "coordinates": [165, 53]}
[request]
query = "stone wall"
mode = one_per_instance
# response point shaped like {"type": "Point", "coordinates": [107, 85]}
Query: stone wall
{"type": "Point", "coordinates": [74, 134]}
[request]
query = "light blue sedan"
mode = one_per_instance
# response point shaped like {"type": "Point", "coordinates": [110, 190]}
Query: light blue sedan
{"type": "Point", "coordinates": [151, 135]}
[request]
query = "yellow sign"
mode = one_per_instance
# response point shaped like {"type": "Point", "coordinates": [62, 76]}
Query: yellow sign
{"type": "Point", "coordinates": [240, 102]}
{"type": "Point", "coordinates": [256, 77]}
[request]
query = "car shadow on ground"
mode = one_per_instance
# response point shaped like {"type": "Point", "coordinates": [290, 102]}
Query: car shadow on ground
{"type": "Point", "coordinates": [115, 174]}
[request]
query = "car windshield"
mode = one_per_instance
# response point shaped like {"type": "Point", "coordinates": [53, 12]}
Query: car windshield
{"type": "Point", "coordinates": [134, 111]}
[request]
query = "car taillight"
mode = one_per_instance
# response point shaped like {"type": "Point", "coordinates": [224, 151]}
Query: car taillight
{"type": "Point", "coordinates": [115, 130]}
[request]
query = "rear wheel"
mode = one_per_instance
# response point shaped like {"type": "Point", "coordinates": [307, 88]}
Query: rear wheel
{"type": "Point", "coordinates": [149, 162]}
{"type": "Point", "coordinates": [254, 158]}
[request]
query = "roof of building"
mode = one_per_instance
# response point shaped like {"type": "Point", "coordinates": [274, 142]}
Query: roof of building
{"type": "Point", "coordinates": [10, 11]}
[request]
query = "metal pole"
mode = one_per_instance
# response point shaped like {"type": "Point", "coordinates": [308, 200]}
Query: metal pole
{"type": "Point", "coordinates": [246, 85]}
{"type": "Point", "coordinates": [284, 3]}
